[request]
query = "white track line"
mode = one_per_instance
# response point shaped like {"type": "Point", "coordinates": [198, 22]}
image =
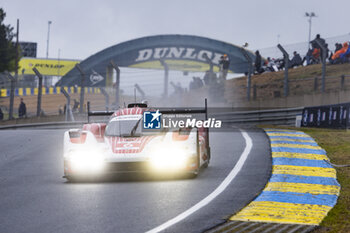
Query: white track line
{"type": "Point", "coordinates": [216, 192]}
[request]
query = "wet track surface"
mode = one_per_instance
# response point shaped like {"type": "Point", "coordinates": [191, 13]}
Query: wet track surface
{"type": "Point", "coordinates": [35, 198]}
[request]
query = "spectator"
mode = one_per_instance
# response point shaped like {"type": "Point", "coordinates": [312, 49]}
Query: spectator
{"type": "Point", "coordinates": [1, 115]}
{"type": "Point", "coordinates": [206, 78]}
{"type": "Point", "coordinates": [75, 106]}
{"type": "Point", "coordinates": [318, 38]}
{"type": "Point", "coordinates": [280, 63]}
{"type": "Point", "coordinates": [330, 58]}
{"type": "Point", "coordinates": [316, 55]}
{"type": "Point", "coordinates": [22, 110]}
{"type": "Point", "coordinates": [258, 62]}
{"type": "Point", "coordinates": [345, 56]}
{"type": "Point", "coordinates": [296, 60]}
{"type": "Point", "coordinates": [338, 46]}
{"type": "Point", "coordinates": [336, 56]}
{"type": "Point", "coordinates": [209, 78]}
{"type": "Point", "coordinates": [271, 65]}
{"type": "Point", "coordinates": [316, 45]}
{"type": "Point", "coordinates": [60, 110]}
{"type": "Point", "coordinates": [308, 57]}
{"type": "Point", "coordinates": [224, 64]}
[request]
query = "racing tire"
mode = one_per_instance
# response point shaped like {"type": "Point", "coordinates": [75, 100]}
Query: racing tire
{"type": "Point", "coordinates": [71, 179]}
{"type": "Point", "coordinates": [194, 174]}
{"type": "Point", "coordinates": [198, 156]}
{"type": "Point", "coordinates": [206, 164]}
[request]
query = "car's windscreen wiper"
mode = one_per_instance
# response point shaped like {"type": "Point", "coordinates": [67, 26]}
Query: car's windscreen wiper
{"type": "Point", "coordinates": [135, 127]}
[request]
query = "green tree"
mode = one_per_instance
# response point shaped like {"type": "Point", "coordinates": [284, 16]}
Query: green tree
{"type": "Point", "coordinates": [7, 47]}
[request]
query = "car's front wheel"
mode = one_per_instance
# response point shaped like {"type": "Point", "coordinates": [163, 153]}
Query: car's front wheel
{"type": "Point", "coordinates": [70, 179]}
{"type": "Point", "coordinates": [192, 175]}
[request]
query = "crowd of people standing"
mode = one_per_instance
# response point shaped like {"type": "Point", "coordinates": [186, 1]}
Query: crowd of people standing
{"type": "Point", "coordinates": [314, 55]}
{"type": "Point", "coordinates": [210, 78]}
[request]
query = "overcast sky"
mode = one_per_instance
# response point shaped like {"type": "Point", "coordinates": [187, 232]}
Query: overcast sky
{"type": "Point", "coordinates": [82, 28]}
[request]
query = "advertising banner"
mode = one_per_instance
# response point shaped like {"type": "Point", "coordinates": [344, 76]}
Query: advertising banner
{"type": "Point", "coordinates": [48, 67]}
{"type": "Point", "coordinates": [328, 116]}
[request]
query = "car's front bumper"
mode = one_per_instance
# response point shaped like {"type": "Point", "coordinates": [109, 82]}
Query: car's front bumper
{"type": "Point", "coordinates": [110, 168]}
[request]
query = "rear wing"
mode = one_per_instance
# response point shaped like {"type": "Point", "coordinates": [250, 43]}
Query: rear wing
{"type": "Point", "coordinates": [97, 113]}
{"type": "Point", "coordinates": [187, 110]}
{"type": "Point", "coordinates": [163, 111]}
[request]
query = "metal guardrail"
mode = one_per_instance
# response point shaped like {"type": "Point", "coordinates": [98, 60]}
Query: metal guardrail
{"type": "Point", "coordinates": [271, 116]}
{"type": "Point", "coordinates": [44, 124]}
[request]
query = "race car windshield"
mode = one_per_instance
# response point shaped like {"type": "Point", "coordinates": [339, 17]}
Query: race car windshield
{"type": "Point", "coordinates": [123, 128]}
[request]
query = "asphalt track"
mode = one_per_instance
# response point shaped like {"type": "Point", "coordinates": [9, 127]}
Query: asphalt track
{"type": "Point", "coordinates": [35, 198]}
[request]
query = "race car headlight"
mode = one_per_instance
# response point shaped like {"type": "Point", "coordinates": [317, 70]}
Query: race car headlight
{"type": "Point", "coordinates": [86, 161]}
{"type": "Point", "coordinates": [169, 159]}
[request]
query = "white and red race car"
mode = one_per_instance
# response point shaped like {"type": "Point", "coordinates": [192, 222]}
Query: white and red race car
{"type": "Point", "coordinates": [121, 146]}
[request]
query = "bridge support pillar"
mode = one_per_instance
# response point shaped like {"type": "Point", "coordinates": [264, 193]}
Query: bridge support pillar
{"type": "Point", "coordinates": [109, 76]}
